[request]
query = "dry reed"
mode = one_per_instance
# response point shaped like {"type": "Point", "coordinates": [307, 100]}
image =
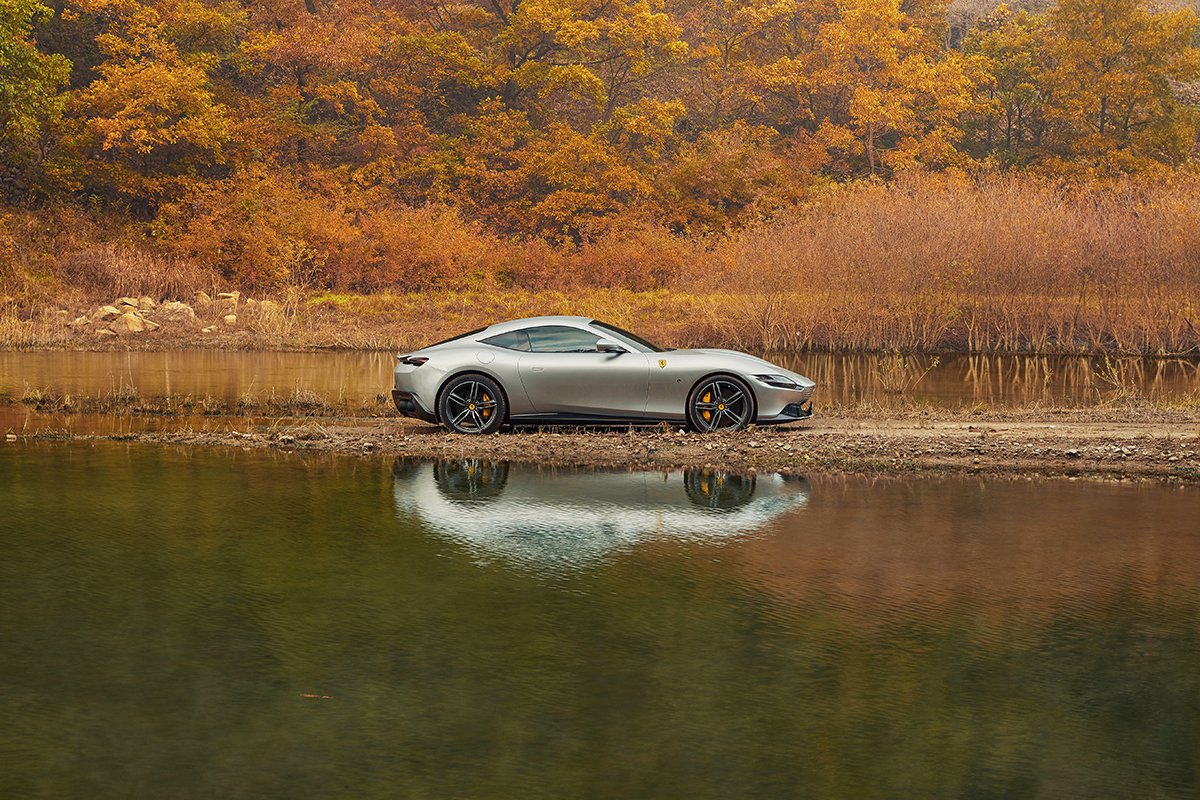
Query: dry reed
{"type": "Point", "coordinates": [127, 400]}
{"type": "Point", "coordinates": [928, 263]}
{"type": "Point", "coordinates": [1006, 264]}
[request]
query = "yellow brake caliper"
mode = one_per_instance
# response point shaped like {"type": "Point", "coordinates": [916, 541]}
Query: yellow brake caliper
{"type": "Point", "coordinates": [707, 398]}
{"type": "Point", "coordinates": [487, 412]}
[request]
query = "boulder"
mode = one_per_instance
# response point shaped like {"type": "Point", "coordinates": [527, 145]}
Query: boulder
{"type": "Point", "coordinates": [126, 301]}
{"type": "Point", "coordinates": [230, 319]}
{"type": "Point", "coordinates": [150, 326]}
{"type": "Point", "coordinates": [106, 312]}
{"type": "Point", "coordinates": [145, 303]}
{"type": "Point", "coordinates": [251, 302]}
{"type": "Point", "coordinates": [227, 302]}
{"type": "Point", "coordinates": [129, 323]}
{"type": "Point", "coordinates": [79, 322]}
{"type": "Point", "coordinates": [206, 330]}
{"type": "Point", "coordinates": [104, 333]}
{"type": "Point", "coordinates": [202, 298]}
{"type": "Point", "coordinates": [175, 311]}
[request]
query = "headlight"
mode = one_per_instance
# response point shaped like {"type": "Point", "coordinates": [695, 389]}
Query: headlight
{"type": "Point", "coordinates": [777, 381]}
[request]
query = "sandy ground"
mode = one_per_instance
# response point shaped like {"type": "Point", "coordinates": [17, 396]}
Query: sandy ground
{"type": "Point", "coordinates": [1155, 450]}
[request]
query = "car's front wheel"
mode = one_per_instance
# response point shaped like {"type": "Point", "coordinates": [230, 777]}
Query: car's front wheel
{"type": "Point", "coordinates": [720, 403]}
{"type": "Point", "coordinates": [472, 404]}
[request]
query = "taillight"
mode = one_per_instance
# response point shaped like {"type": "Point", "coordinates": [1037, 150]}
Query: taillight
{"type": "Point", "coordinates": [413, 361]}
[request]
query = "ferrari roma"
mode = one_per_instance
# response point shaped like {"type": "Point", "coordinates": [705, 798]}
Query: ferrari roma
{"type": "Point", "coordinates": [576, 370]}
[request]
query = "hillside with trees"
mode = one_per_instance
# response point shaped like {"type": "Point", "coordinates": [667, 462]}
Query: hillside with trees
{"type": "Point", "coordinates": [363, 145]}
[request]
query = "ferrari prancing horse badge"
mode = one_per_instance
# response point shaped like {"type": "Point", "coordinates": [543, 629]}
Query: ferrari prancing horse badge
{"type": "Point", "coordinates": [662, 363]}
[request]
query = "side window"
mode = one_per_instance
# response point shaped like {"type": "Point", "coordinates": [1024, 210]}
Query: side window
{"type": "Point", "coordinates": [561, 339]}
{"type": "Point", "coordinates": [513, 340]}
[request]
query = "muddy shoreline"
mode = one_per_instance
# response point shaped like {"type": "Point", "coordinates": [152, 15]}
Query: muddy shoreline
{"type": "Point", "coordinates": [1155, 449]}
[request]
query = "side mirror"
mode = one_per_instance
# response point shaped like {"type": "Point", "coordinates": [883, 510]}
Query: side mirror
{"type": "Point", "coordinates": [609, 346]}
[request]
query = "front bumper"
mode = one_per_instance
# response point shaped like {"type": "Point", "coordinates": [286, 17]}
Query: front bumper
{"type": "Point", "coordinates": [409, 405]}
{"type": "Point", "coordinates": [792, 412]}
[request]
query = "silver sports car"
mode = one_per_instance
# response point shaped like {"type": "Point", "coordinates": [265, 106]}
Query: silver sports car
{"type": "Point", "coordinates": [548, 370]}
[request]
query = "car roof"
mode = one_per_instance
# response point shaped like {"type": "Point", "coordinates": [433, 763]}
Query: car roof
{"type": "Point", "coordinates": [528, 322]}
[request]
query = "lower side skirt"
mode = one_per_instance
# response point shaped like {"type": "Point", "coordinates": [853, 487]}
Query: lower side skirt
{"type": "Point", "coordinates": [795, 412]}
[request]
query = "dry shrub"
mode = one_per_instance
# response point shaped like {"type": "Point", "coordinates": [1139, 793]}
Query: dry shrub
{"type": "Point", "coordinates": [32, 246]}
{"type": "Point", "coordinates": [258, 230]}
{"type": "Point", "coordinates": [639, 256]}
{"type": "Point", "coordinates": [9, 268]}
{"type": "Point", "coordinates": [65, 255]}
{"type": "Point", "coordinates": [422, 248]}
{"type": "Point", "coordinates": [265, 232]}
{"type": "Point", "coordinates": [1002, 263]}
{"type": "Point", "coordinates": [115, 270]}
{"type": "Point", "coordinates": [529, 264]}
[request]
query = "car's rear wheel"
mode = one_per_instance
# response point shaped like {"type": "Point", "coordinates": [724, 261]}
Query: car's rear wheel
{"type": "Point", "coordinates": [720, 403]}
{"type": "Point", "coordinates": [470, 480]}
{"type": "Point", "coordinates": [472, 404]}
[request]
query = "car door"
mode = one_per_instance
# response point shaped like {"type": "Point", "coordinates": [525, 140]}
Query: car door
{"type": "Point", "coordinates": [563, 374]}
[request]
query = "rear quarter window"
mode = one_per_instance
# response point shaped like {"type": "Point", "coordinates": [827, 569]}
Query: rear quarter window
{"type": "Point", "coordinates": [512, 340]}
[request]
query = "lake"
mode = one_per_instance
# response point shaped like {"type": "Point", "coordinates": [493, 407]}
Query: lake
{"type": "Point", "coordinates": [221, 623]}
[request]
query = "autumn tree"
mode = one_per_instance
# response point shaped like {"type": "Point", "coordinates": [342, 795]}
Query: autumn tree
{"type": "Point", "coordinates": [578, 59]}
{"type": "Point", "coordinates": [150, 124]}
{"type": "Point", "coordinates": [336, 122]}
{"type": "Point", "coordinates": [731, 176]}
{"type": "Point", "coordinates": [1008, 46]}
{"type": "Point", "coordinates": [734, 47]}
{"type": "Point", "coordinates": [30, 100]}
{"type": "Point", "coordinates": [1089, 89]}
{"type": "Point", "coordinates": [553, 183]}
{"type": "Point", "coordinates": [883, 90]}
{"type": "Point", "coordinates": [1110, 73]}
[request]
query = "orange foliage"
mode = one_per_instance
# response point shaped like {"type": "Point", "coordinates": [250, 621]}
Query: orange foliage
{"type": "Point", "coordinates": [368, 144]}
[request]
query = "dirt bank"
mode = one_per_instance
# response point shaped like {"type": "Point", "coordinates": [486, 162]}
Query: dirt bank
{"type": "Point", "coordinates": [1155, 449]}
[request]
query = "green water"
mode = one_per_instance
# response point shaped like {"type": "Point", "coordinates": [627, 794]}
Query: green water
{"type": "Point", "coordinates": [221, 624]}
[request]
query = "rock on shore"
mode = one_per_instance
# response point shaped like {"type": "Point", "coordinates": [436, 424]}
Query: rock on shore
{"type": "Point", "coordinates": [138, 316]}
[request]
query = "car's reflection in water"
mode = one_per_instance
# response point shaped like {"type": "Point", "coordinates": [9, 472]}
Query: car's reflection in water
{"type": "Point", "coordinates": [570, 517]}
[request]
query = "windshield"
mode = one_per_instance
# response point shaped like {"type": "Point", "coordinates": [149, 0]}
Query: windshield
{"type": "Point", "coordinates": [637, 341]}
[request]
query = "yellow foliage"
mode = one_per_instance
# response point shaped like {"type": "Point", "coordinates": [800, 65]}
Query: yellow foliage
{"type": "Point", "coordinates": [300, 140]}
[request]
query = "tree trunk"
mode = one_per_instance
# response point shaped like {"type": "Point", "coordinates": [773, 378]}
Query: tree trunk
{"type": "Point", "coordinates": [871, 146]}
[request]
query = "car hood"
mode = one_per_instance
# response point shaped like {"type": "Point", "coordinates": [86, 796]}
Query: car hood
{"type": "Point", "coordinates": [752, 364]}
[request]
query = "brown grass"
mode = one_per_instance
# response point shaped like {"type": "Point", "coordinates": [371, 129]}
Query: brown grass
{"type": "Point", "coordinates": [1008, 264]}
{"type": "Point", "coordinates": [127, 400]}
{"type": "Point", "coordinates": [928, 263]}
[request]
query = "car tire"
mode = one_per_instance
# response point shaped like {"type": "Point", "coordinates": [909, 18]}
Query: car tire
{"type": "Point", "coordinates": [718, 491]}
{"type": "Point", "coordinates": [473, 404]}
{"type": "Point", "coordinates": [471, 480]}
{"type": "Point", "coordinates": [720, 403]}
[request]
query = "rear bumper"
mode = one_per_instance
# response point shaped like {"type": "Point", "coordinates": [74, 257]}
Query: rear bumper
{"type": "Point", "coordinates": [409, 405]}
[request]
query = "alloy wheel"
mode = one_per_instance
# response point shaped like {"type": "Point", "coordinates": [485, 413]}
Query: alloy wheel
{"type": "Point", "coordinates": [472, 405]}
{"type": "Point", "coordinates": [720, 404]}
